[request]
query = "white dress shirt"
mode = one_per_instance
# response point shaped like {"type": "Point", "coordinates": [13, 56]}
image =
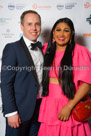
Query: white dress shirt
{"type": "Point", "coordinates": [37, 57]}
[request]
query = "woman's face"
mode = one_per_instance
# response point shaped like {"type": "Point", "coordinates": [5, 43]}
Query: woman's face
{"type": "Point", "coordinates": [62, 34]}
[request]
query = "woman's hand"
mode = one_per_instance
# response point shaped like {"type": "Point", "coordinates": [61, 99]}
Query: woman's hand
{"type": "Point", "coordinates": [66, 110]}
{"type": "Point", "coordinates": [64, 113]}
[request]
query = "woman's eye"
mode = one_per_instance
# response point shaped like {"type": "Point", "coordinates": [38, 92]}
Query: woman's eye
{"type": "Point", "coordinates": [66, 30]}
{"type": "Point", "coordinates": [58, 29]}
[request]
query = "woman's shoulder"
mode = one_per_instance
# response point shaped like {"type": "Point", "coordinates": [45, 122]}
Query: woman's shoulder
{"type": "Point", "coordinates": [44, 47]}
{"type": "Point", "coordinates": [79, 49]}
{"type": "Point", "coordinates": [82, 64]}
{"type": "Point", "coordinates": [82, 53]}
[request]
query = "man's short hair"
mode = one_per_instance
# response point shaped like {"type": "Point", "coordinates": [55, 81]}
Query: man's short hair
{"type": "Point", "coordinates": [26, 12]}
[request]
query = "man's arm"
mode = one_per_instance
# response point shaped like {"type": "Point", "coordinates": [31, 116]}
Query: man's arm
{"type": "Point", "coordinates": [7, 84]}
{"type": "Point", "coordinates": [11, 114]}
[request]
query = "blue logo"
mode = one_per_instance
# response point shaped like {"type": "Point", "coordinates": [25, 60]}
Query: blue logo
{"type": "Point", "coordinates": [11, 6]}
{"type": "Point", "coordinates": [4, 20]}
{"type": "Point", "coordinates": [89, 19]}
{"type": "Point", "coordinates": [20, 35]}
{"type": "Point", "coordinates": [60, 6]}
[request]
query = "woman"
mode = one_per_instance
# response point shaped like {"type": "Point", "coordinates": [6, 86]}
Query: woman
{"type": "Point", "coordinates": [67, 79]}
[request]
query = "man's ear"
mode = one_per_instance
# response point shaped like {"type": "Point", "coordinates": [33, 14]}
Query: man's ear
{"type": "Point", "coordinates": [21, 26]}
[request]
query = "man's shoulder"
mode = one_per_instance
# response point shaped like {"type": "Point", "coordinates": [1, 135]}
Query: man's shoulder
{"type": "Point", "coordinates": [13, 43]}
{"type": "Point", "coordinates": [10, 47]}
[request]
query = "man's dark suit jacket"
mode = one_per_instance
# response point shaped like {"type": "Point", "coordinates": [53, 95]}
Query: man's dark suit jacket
{"type": "Point", "coordinates": [19, 88]}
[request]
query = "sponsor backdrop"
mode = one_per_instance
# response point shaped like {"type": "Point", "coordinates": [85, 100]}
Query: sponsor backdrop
{"type": "Point", "coordinates": [50, 10]}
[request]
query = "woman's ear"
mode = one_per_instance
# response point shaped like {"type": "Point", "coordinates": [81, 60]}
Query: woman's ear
{"type": "Point", "coordinates": [53, 36]}
{"type": "Point", "coordinates": [70, 40]}
{"type": "Point", "coordinates": [72, 34]}
{"type": "Point", "coordinates": [71, 37]}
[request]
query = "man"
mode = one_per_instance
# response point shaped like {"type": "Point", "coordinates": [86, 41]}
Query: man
{"type": "Point", "coordinates": [20, 81]}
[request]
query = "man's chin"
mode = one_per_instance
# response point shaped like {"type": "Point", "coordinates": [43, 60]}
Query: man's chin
{"type": "Point", "coordinates": [33, 39]}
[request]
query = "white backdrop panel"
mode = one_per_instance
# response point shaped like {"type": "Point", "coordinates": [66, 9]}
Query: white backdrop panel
{"type": "Point", "coordinates": [50, 10]}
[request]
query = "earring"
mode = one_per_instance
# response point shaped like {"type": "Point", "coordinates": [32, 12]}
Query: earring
{"type": "Point", "coordinates": [70, 40]}
{"type": "Point", "coordinates": [53, 40]}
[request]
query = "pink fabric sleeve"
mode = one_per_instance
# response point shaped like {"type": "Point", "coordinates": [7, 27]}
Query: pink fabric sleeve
{"type": "Point", "coordinates": [44, 47]}
{"type": "Point", "coordinates": [82, 65]}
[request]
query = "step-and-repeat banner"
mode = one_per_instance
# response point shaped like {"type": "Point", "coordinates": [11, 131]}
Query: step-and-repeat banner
{"type": "Point", "coordinates": [50, 10]}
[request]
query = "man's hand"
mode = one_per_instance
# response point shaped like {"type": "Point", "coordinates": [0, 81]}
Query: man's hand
{"type": "Point", "coordinates": [14, 121]}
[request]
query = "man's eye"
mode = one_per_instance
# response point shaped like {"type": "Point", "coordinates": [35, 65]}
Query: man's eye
{"type": "Point", "coordinates": [38, 24]}
{"type": "Point", "coordinates": [29, 24]}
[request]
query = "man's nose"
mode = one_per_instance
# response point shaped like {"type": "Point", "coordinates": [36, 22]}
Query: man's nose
{"type": "Point", "coordinates": [34, 27]}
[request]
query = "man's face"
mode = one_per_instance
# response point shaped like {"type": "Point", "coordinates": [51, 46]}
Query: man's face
{"type": "Point", "coordinates": [31, 26]}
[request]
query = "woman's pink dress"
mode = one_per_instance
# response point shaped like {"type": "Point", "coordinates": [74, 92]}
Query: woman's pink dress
{"type": "Point", "coordinates": [52, 104]}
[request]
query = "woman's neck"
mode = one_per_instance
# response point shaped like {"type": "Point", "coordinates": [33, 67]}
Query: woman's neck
{"type": "Point", "coordinates": [60, 48]}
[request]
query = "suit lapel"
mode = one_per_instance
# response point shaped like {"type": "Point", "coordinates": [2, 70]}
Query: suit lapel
{"type": "Point", "coordinates": [29, 58]}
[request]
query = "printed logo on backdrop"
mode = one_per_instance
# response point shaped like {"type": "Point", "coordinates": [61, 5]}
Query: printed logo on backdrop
{"type": "Point", "coordinates": [89, 19]}
{"type": "Point", "coordinates": [20, 6]}
{"type": "Point", "coordinates": [70, 5]}
{"type": "Point", "coordinates": [35, 6]}
{"type": "Point", "coordinates": [4, 20]}
{"type": "Point", "coordinates": [12, 6]}
{"type": "Point", "coordinates": [61, 6]}
{"type": "Point", "coordinates": [8, 34]}
{"type": "Point", "coordinates": [1, 6]}
{"type": "Point", "coordinates": [87, 5]}
{"type": "Point", "coordinates": [87, 35]}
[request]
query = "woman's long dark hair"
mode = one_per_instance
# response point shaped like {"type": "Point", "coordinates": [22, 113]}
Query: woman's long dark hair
{"type": "Point", "coordinates": [65, 74]}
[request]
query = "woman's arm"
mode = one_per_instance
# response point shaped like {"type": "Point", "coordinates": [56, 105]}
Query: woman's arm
{"type": "Point", "coordinates": [66, 110]}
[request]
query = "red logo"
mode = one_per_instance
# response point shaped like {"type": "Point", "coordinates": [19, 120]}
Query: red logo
{"type": "Point", "coordinates": [1, 6]}
{"type": "Point", "coordinates": [87, 5]}
{"type": "Point", "coordinates": [35, 6]}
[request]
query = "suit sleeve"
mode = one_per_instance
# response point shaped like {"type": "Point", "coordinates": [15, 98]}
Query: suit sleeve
{"type": "Point", "coordinates": [8, 74]}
